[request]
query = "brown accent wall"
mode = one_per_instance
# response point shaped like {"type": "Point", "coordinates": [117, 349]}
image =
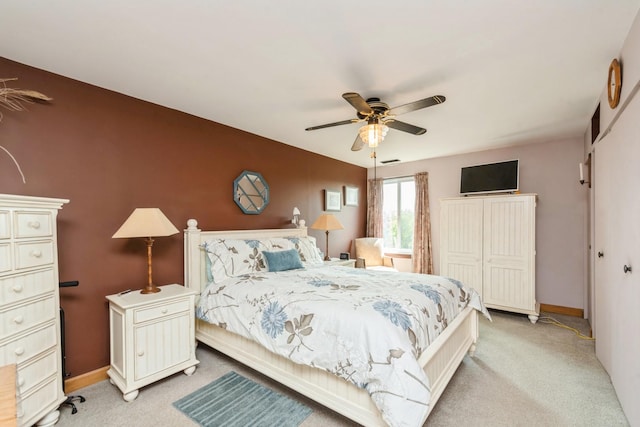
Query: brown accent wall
{"type": "Point", "coordinates": [109, 153]}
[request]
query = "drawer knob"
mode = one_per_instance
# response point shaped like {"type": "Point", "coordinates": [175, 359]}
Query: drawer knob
{"type": "Point", "coordinates": [36, 253]}
{"type": "Point", "coordinates": [20, 381]}
{"type": "Point", "coordinates": [18, 320]}
{"type": "Point", "coordinates": [19, 351]}
{"type": "Point", "coordinates": [34, 224]}
{"type": "Point", "coordinates": [17, 288]}
{"type": "Point", "coordinates": [165, 311]}
{"type": "Point", "coordinates": [140, 353]}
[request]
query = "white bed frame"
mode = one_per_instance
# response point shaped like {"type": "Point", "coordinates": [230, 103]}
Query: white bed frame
{"type": "Point", "coordinates": [439, 361]}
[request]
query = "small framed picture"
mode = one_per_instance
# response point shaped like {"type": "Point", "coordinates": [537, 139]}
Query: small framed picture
{"type": "Point", "coordinates": [332, 200]}
{"type": "Point", "coordinates": [350, 196]}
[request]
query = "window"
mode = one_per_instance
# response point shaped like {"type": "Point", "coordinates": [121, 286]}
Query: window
{"type": "Point", "coordinates": [399, 199]}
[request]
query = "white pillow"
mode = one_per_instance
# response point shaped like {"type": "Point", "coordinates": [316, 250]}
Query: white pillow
{"type": "Point", "coordinates": [234, 257]}
{"type": "Point", "coordinates": [307, 249]}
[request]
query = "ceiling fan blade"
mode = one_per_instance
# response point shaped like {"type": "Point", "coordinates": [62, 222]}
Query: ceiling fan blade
{"type": "Point", "coordinates": [357, 102]}
{"type": "Point", "coordinates": [328, 125]}
{"type": "Point", "coordinates": [405, 127]}
{"type": "Point", "coordinates": [417, 105]}
{"type": "Point", "coordinates": [357, 144]}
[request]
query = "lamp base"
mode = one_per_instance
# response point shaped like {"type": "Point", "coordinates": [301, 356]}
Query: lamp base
{"type": "Point", "coordinates": [327, 258]}
{"type": "Point", "coordinates": [150, 289]}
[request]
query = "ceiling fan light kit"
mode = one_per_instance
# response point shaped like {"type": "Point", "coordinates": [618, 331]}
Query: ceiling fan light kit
{"type": "Point", "coordinates": [373, 133]}
{"type": "Point", "coordinates": [380, 118]}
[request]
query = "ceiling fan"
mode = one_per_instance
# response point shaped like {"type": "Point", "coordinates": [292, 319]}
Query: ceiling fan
{"type": "Point", "coordinates": [380, 118]}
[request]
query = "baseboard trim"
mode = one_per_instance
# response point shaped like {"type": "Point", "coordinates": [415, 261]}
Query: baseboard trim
{"type": "Point", "coordinates": [569, 311]}
{"type": "Point", "coordinates": [84, 380]}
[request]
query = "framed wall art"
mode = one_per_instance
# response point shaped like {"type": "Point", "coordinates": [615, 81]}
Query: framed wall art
{"type": "Point", "coordinates": [332, 200]}
{"type": "Point", "coordinates": [350, 196]}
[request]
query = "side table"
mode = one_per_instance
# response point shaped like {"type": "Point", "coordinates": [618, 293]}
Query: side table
{"type": "Point", "coordinates": [152, 337]}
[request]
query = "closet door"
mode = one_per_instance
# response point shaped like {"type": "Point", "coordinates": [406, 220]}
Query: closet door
{"type": "Point", "coordinates": [617, 236]}
{"type": "Point", "coordinates": [509, 242]}
{"type": "Point", "coordinates": [604, 244]}
{"type": "Point", "coordinates": [461, 240]}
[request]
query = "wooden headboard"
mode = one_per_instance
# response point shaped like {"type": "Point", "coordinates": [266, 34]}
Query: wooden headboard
{"type": "Point", "coordinates": [194, 256]}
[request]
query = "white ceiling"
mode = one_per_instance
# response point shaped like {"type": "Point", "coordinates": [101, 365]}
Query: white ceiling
{"type": "Point", "coordinates": [512, 71]}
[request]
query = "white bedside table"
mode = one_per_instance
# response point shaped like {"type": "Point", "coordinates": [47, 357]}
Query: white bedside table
{"type": "Point", "coordinates": [152, 337]}
{"type": "Point", "coordinates": [342, 262]}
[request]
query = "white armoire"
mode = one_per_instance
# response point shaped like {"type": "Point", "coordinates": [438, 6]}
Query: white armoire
{"type": "Point", "coordinates": [488, 243]}
{"type": "Point", "coordinates": [29, 305]}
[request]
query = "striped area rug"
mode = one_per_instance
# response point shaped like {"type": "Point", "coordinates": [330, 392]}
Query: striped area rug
{"type": "Point", "coordinates": [235, 401]}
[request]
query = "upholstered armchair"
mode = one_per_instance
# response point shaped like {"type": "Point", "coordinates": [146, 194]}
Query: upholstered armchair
{"type": "Point", "coordinates": [370, 254]}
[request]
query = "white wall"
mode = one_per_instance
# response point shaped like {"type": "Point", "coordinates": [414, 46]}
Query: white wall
{"type": "Point", "coordinates": [548, 169]}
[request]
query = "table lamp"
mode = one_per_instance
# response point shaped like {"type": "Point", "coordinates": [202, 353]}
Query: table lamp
{"type": "Point", "coordinates": [327, 222]}
{"type": "Point", "coordinates": [147, 223]}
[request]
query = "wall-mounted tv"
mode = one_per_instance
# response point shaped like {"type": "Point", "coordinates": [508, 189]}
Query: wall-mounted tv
{"type": "Point", "coordinates": [501, 177]}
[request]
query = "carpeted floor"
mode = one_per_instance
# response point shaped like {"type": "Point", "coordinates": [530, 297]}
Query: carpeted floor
{"type": "Point", "coordinates": [522, 375]}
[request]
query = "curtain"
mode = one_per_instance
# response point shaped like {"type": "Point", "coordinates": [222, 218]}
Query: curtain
{"type": "Point", "coordinates": [374, 207]}
{"type": "Point", "coordinates": [422, 253]}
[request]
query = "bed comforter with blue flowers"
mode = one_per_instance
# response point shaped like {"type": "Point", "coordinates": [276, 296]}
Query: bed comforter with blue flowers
{"type": "Point", "coordinates": [367, 327]}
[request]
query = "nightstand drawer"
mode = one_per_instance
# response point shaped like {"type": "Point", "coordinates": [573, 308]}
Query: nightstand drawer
{"type": "Point", "coordinates": [33, 224]}
{"type": "Point", "coordinates": [23, 317]}
{"type": "Point", "coordinates": [143, 315]}
{"type": "Point", "coordinates": [34, 254]}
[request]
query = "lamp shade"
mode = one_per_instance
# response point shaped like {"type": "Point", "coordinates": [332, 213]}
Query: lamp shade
{"type": "Point", "coordinates": [146, 222]}
{"type": "Point", "coordinates": [327, 222]}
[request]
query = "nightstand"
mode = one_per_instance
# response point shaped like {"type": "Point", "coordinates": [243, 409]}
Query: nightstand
{"type": "Point", "coordinates": [152, 337]}
{"type": "Point", "coordinates": [343, 262]}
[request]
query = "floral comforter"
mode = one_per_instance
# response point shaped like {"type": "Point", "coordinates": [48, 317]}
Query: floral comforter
{"type": "Point", "coordinates": [366, 327]}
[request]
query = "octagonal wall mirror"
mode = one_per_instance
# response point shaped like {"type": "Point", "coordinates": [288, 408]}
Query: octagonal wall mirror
{"type": "Point", "coordinates": [251, 192]}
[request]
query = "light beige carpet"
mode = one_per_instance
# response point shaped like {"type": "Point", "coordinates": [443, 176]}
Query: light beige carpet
{"type": "Point", "coordinates": [521, 375]}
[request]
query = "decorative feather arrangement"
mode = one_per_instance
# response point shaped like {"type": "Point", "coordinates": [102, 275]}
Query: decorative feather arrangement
{"type": "Point", "coordinates": [13, 100]}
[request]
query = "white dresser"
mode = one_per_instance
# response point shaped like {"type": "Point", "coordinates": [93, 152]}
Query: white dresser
{"type": "Point", "coordinates": [29, 305]}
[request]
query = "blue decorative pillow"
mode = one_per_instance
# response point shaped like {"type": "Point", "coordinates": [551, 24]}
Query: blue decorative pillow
{"type": "Point", "coordinates": [283, 260]}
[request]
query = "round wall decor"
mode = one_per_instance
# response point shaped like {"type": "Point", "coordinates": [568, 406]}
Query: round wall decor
{"type": "Point", "coordinates": [614, 83]}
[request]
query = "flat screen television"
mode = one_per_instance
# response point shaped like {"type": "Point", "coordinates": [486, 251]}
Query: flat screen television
{"type": "Point", "coordinates": [501, 177]}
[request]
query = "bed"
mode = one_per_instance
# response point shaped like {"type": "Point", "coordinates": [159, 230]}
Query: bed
{"type": "Point", "coordinates": [438, 361]}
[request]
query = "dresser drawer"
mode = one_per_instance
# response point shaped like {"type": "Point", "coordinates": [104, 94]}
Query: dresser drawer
{"type": "Point", "coordinates": [32, 373]}
{"type": "Point", "coordinates": [5, 257]}
{"type": "Point", "coordinates": [5, 225]}
{"type": "Point", "coordinates": [30, 405]}
{"type": "Point", "coordinates": [33, 224]}
{"type": "Point", "coordinates": [25, 347]}
{"type": "Point", "coordinates": [33, 254]}
{"type": "Point", "coordinates": [22, 317]}
{"type": "Point", "coordinates": [143, 315]}
{"type": "Point", "coordinates": [17, 288]}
